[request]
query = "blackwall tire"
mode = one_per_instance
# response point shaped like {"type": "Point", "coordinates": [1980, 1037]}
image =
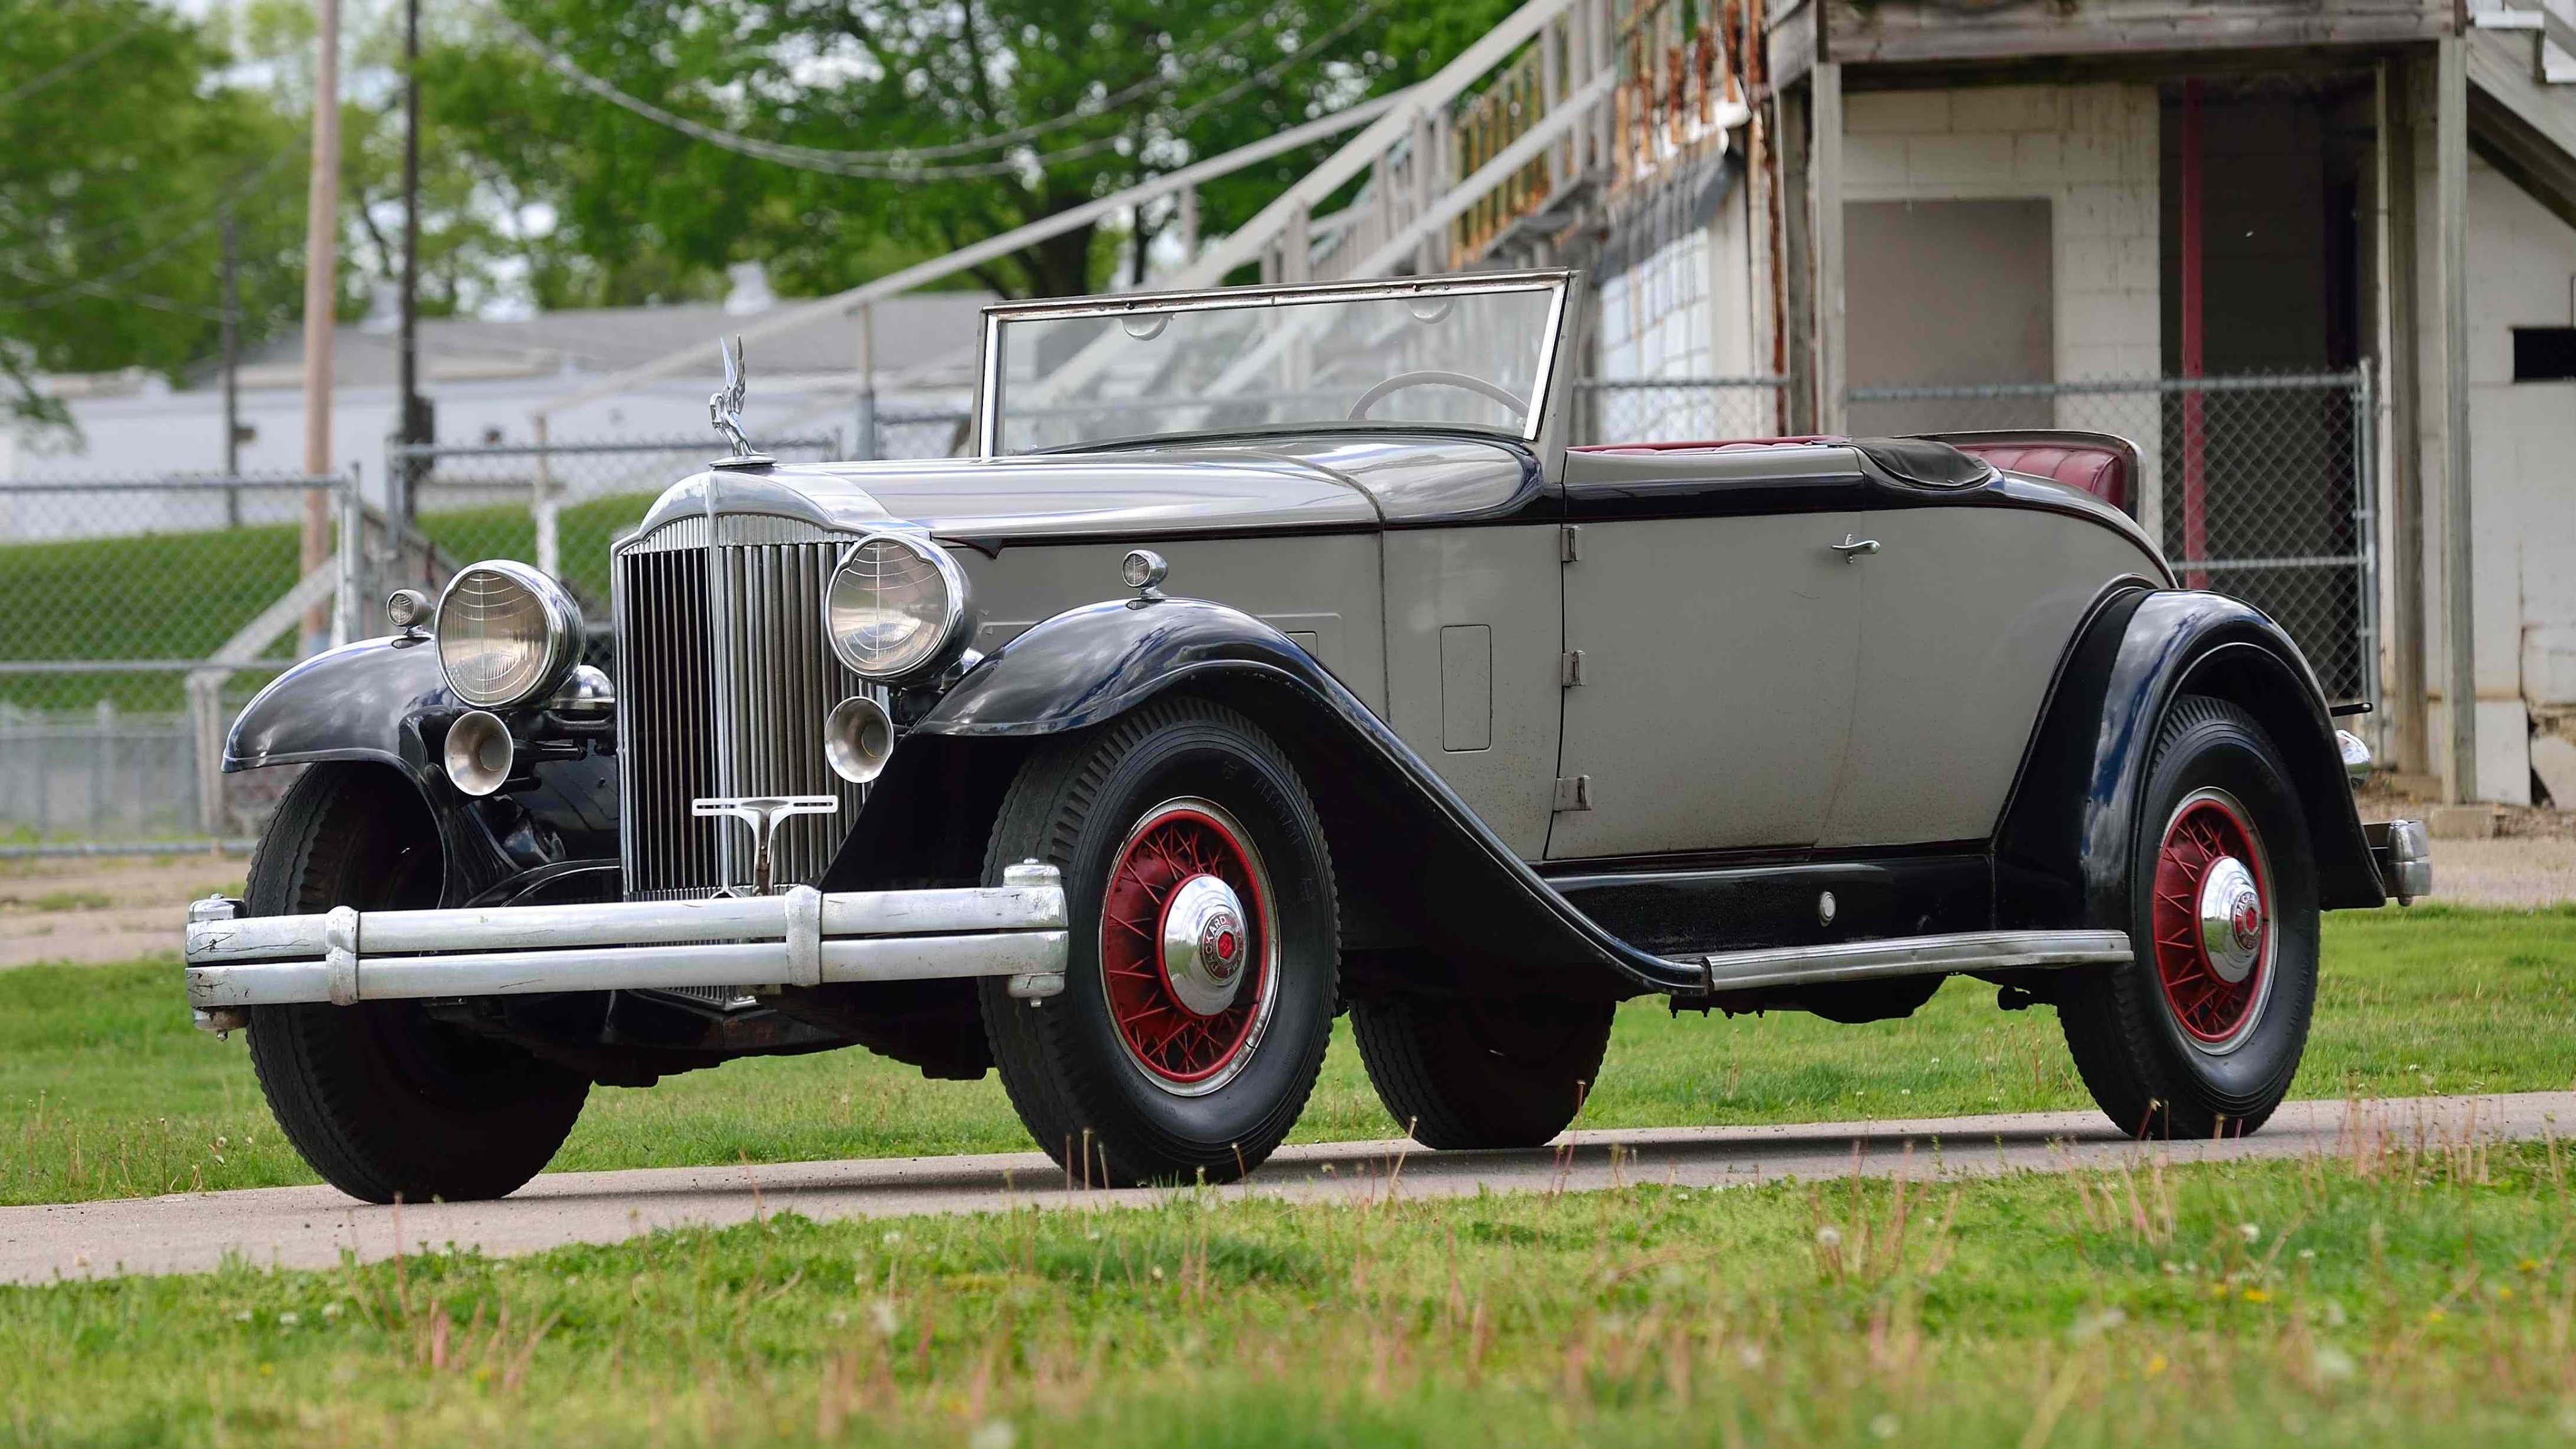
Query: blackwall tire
{"type": "Point", "coordinates": [1482, 1073]}
{"type": "Point", "coordinates": [2201, 1033]}
{"type": "Point", "coordinates": [1133, 1073]}
{"type": "Point", "coordinates": [380, 1099]}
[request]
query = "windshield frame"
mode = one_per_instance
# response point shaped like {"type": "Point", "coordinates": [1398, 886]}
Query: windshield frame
{"type": "Point", "coordinates": [1557, 282]}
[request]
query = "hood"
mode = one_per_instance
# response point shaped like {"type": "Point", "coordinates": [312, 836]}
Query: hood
{"type": "Point", "coordinates": [1289, 484]}
{"type": "Point", "coordinates": [1017, 499]}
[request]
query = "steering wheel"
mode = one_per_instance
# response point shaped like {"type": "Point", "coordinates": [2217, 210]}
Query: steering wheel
{"type": "Point", "coordinates": [1403, 380]}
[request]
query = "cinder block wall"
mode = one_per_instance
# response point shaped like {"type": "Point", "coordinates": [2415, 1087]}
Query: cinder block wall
{"type": "Point", "coordinates": [2091, 152]}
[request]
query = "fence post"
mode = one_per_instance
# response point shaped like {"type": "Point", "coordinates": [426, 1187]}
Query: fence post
{"type": "Point", "coordinates": [2365, 529]}
{"type": "Point", "coordinates": [353, 515]}
{"type": "Point", "coordinates": [864, 446]}
{"type": "Point", "coordinates": [206, 732]}
{"type": "Point", "coordinates": [542, 508]}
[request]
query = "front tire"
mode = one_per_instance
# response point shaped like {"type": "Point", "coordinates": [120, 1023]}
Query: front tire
{"type": "Point", "coordinates": [1201, 979]}
{"type": "Point", "coordinates": [1482, 1072]}
{"type": "Point", "coordinates": [380, 1099]}
{"type": "Point", "coordinates": [2200, 1034]}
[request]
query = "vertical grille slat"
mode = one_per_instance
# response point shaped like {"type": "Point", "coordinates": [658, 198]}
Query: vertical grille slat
{"type": "Point", "coordinates": [724, 681]}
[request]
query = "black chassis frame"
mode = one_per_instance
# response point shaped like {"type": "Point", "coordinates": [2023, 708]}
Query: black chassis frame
{"type": "Point", "coordinates": [1433, 902]}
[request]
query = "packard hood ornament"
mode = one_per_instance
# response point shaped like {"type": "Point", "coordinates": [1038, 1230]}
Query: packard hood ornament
{"type": "Point", "coordinates": [724, 411]}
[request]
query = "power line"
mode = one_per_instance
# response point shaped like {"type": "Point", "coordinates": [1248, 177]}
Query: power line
{"type": "Point", "coordinates": [869, 165]}
{"type": "Point", "coordinates": [77, 63]}
{"type": "Point", "coordinates": [102, 287]}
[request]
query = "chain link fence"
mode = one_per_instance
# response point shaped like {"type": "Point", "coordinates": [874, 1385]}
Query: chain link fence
{"type": "Point", "coordinates": [2261, 487]}
{"type": "Point", "coordinates": [557, 505]}
{"type": "Point", "coordinates": [1677, 410]}
{"type": "Point", "coordinates": [137, 615]}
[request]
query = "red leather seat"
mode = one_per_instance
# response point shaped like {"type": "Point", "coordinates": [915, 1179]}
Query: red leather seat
{"type": "Point", "coordinates": [2100, 469]}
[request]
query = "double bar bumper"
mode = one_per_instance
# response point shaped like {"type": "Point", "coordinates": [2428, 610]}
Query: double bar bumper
{"type": "Point", "coordinates": [800, 937]}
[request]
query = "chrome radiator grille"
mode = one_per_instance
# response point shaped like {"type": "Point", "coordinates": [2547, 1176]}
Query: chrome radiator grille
{"type": "Point", "coordinates": [723, 681]}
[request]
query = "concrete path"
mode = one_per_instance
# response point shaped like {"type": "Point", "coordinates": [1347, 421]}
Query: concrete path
{"type": "Point", "coordinates": [310, 1227]}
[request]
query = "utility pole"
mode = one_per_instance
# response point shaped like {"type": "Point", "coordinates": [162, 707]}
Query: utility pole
{"type": "Point", "coordinates": [414, 427]}
{"type": "Point", "coordinates": [232, 369]}
{"type": "Point", "coordinates": [321, 295]}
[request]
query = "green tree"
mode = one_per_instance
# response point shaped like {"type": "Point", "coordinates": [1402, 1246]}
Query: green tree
{"type": "Point", "coordinates": [1096, 94]}
{"type": "Point", "coordinates": [119, 163]}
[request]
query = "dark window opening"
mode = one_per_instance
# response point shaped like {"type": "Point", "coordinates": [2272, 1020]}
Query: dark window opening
{"type": "Point", "coordinates": [2544, 354]}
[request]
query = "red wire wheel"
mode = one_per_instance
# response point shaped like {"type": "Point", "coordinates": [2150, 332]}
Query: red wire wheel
{"type": "Point", "coordinates": [2213, 920]}
{"type": "Point", "coordinates": [1188, 946]}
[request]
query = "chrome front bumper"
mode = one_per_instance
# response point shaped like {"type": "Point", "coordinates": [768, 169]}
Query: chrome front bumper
{"type": "Point", "coordinates": [2403, 852]}
{"type": "Point", "coordinates": [799, 937]}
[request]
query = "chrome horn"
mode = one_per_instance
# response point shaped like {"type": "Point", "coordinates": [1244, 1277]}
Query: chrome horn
{"type": "Point", "coordinates": [858, 735]}
{"type": "Point", "coordinates": [479, 752]}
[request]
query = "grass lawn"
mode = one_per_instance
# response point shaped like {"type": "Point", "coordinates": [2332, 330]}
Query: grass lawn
{"type": "Point", "coordinates": [2400, 1300]}
{"type": "Point", "coordinates": [107, 1091]}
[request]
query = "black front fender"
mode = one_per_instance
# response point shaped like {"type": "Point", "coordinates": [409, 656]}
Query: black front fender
{"type": "Point", "coordinates": [2073, 829]}
{"type": "Point", "coordinates": [1099, 661]}
{"type": "Point", "coordinates": [360, 701]}
{"type": "Point", "coordinates": [1403, 841]}
{"type": "Point", "coordinates": [385, 702]}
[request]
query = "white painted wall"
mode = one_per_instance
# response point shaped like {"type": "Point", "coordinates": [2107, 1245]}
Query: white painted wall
{"type": "Point", "coordinates": [1696, 307]}
{"type": "Point", "coordinates": [2522, 472]}
{"type": "Point", "coordinates": [2091, 152]}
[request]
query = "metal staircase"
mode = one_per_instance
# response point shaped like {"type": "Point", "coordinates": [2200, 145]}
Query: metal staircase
{"type": "Point", "coordinates": [2522, 72]}
{"type": "Point", "coordinates": [2551, 25]}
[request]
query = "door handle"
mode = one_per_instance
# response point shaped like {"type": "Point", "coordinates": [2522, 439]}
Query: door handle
{"type": "Point", "coordinates": [1853, 547]}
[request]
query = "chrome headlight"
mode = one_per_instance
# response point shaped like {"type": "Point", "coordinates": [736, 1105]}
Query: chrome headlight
{"type": "Point", "coordinates": [506, 634]}
{"type": "Point", "coordinates": [896, 608]}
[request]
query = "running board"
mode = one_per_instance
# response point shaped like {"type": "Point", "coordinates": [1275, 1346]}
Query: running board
{"type": "Point", "coordinates": [1967, 951]}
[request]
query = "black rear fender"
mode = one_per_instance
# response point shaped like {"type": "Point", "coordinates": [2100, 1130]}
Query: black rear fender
{"type": "Point", "coordinates": [2064, 852]}
{"type": "Point", "coordinates": [1419, 876]}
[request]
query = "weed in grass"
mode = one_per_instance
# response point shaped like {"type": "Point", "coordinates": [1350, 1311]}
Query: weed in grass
{"type": "Point", "coordinates": [2362, 1309]}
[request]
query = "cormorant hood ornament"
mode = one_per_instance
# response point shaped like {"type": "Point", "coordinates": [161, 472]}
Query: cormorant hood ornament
{"type": "Point", "coordinates": [724, 410]}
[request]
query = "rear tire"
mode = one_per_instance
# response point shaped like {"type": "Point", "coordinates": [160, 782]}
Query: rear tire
{"type": "Point", "coordinates": [1137, 1072]}
{"type": "Point", "coordinates": [1479, 1072]}
{"type": "Point", "coordinates": [378, 1098]}
{"type": "Point", "coordinates": [2168, 1044]}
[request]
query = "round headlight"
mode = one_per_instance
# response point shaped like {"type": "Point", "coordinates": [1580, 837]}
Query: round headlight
{"type": "Point", "coordinates": [506, 634]}
{"type": "Point", "coordinates": [896, 608]}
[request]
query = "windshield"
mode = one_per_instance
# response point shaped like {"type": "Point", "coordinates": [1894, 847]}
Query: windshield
{"type": "Point", "coordinates": [1463, 353]}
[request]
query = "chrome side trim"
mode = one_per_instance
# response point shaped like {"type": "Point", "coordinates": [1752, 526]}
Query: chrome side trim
{"type": "Point", "coordinates": [1908, 956]}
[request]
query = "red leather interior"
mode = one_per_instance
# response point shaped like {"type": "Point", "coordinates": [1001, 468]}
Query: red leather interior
{"type": "Point", "coordinates": [2097, 464]}
{"type": "Point", "coordinates": [2097, 468]}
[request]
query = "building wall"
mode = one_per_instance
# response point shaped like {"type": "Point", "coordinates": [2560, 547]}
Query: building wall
{"type": "Point", "coordinates": [2522, 272]}
{"type": "Point", "coordinates": [2091, 151]}
{"type": "Point", "coordinates": [1696, 305]}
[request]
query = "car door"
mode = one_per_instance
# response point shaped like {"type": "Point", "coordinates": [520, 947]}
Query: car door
{"type": "Point", "coordinates": [1718, 629]}
{"type": "Point", "coordinates": [1473, 635]}
{"type": "Point", "coordinates": [1967, 611]}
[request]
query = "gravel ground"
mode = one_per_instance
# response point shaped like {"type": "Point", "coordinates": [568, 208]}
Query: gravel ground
{"type": "Point", "coordinates": [101, 909]}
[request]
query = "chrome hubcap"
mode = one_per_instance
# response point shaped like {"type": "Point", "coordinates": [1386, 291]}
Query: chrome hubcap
{"type": "Point", "coordinates": [1203, 944]}
{"type": "Point", "coordinates": [2231, 919]}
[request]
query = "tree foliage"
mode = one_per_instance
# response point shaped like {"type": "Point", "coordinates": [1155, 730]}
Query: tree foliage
{"type": "Point", "coordinates": [1101, 93]}
{"type": "Point", "coordinates": [118, 166]}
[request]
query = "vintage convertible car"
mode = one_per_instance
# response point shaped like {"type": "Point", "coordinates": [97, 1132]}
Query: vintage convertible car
{"type": "Point", "coordinates": [1274, 656]}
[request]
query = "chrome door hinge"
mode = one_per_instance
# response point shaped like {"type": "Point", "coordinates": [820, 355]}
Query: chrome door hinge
{"type": "Point", "coordinates": [1569, 668]}
{"type": "Point", "coordinates": [1574, 794]}
{"type": "Point", "coordinates": [1569, 542]}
